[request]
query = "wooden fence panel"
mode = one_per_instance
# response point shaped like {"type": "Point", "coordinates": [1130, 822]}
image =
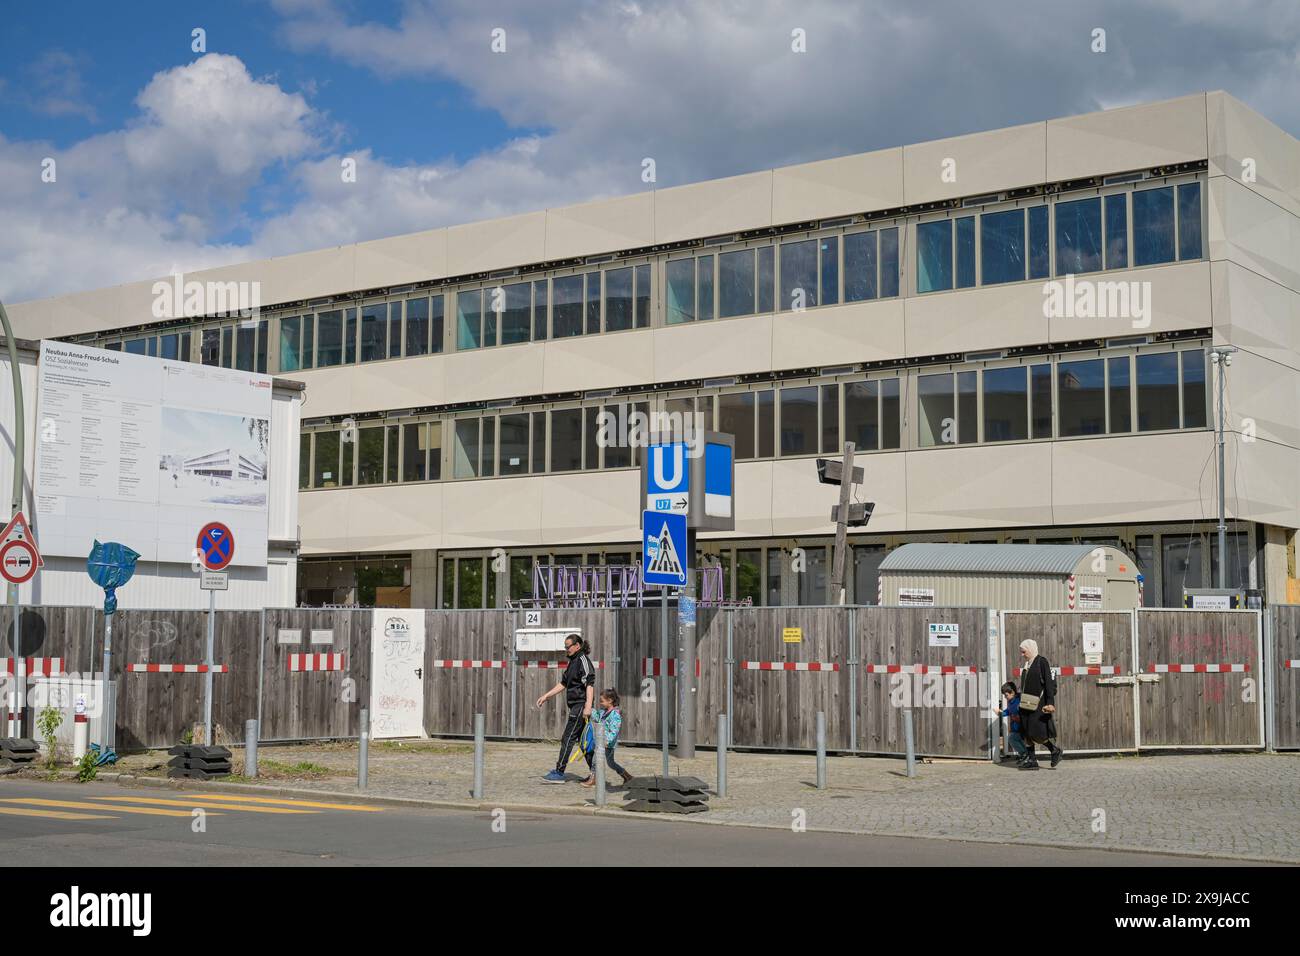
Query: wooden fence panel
{"type": "Point", "coordinates": [314, 705]}
{"type": "Point", "coordinates": [1286, 681]}
{"type": "Point", "coordinates": [597, 628]}
{"type": "Point", "coordinates": [1094, 712]}
{"type": "Point", "coordinates": [72, 633]}
{"type": "Point", "coordinates": [949, 716]}
{"type": "Point", "coordinates": [1199, 708]}
{"type": "Point", "coordinates": [453, 695]}
{"type": "Point", "coordinates": [777, 708]}
{"type": "Point", "coordinates": [156, 709]}
{"type": "Point", "coordinates": [641, 687]}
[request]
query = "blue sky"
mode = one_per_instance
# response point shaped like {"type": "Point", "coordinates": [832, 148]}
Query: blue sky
{"type": "Point", "coordinates": [171, 160]}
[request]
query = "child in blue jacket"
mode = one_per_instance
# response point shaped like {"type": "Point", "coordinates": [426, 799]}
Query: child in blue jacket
{"type": "Point", "coordinates": [611, 717]}
{"type": "Point", "coordinates": [1012, 710]}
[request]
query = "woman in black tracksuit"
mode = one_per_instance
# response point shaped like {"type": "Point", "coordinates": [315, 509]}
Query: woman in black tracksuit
{"type": "Point", "coordinates": [1037, 725]}
{"type": "Point", "coordinates": [579, 686]}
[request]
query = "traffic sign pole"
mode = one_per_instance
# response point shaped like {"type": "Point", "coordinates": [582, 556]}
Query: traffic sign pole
{"type": "Point", "coordinates": [216, 548]}
{"type": "Point", "coordinates": [686, 654]}
{"type": "Point", "coordinates": [207, 678]}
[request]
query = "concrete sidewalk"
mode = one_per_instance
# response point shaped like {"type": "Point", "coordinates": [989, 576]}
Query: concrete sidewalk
{"type": "Point", "coordinates": [1242, 806]}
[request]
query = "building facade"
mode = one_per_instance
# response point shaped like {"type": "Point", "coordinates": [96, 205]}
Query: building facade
{"type": "Point", "coordinates": [1014, 328]}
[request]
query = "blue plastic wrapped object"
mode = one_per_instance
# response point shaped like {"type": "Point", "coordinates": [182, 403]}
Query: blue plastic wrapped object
{"type": "Point", "coordinates": [108, 756]}
{"type": "Point", "coordinates": [110, 566]}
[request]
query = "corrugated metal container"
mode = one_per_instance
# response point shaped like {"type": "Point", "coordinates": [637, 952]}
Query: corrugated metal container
{"type": "Point", "coordinates": [1021, 577]}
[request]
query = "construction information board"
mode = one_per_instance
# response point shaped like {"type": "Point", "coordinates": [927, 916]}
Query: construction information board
{"type": "Point", "coordinates": [144, 450]}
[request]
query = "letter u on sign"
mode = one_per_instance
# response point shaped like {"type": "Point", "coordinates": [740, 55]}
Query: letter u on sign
{"type": "Point", "coordinates": [660, 455]}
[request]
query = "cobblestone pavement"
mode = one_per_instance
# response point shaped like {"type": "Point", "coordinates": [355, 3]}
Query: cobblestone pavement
{"type": "Point", "coordinates": [1229, 805]}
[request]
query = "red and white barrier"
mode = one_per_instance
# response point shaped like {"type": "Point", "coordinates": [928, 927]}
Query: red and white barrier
{"type": "Point", "coordinates": [469, 664]}
{"type": "Point", "coordinates": [176, 669]}
{"type": "Point", "coordinates": [1091, 670]}
{"type": "Point", "coordinates": [789, 666]}
{"type": "Point", "coordinates": [554, 665]}
{"type": "Point", "coordinates": [1294, 665]}
{"type": "Point", "coordinates": [32, 666]}
{"type": "Point", "coordinates": [1198, 668]}
{"type": "Point", "coordinates": [653, 667]}
{"type": "Point", "coordinates": [921, 669]}
{"type": "Point", "coordinates": [315, 662]}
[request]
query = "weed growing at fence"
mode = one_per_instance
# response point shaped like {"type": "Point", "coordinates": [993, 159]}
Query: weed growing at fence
{"type": "Point", "coordinates": [87, 769]}
{"type": "Point", "coordinates": [47, 725]}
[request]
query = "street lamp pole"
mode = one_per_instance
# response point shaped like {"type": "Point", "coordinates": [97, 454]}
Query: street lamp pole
{"type": "Point", "coordinates": [1221, 358]}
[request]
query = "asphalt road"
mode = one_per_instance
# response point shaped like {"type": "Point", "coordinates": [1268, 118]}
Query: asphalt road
{"type": "Point", "coordinates": [64, 824]}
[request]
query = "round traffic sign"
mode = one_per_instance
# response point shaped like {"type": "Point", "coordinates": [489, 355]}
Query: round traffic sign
{"type": "Point", "coordinates": [18, 561]}
{"type": "Point", "coordinates": [216, 546]}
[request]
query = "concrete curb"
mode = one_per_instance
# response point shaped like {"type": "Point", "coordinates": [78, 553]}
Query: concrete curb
{"type": "Point", "coordinates": [617, 813]}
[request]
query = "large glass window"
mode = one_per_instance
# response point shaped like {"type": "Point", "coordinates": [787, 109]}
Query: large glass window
{"type": "Point", "coordinates": [566, 439]}
{"type": "Point", "coordinates": [736, 283]}
{"type": "Point", "coordinates": [541, 311]}
{"type": "Point", "coordinates": [860, 266]}
{"type": "Point", "coordinates": [938, 416]}
{"type": "Point", "coordinates": [1181, 556]}
{"type": "Point", "coordinates": [889, 262]}
{"type": "Point", "coordinates": [1153, 226]}
{"type": "Point", "coordinates": [1006, 404]}
{"type": "Point", "coordinates": [775, 558]}
{"type": "Point", "coordinates": [417, 326]}
{"type": "Point", "coordinates": [643, 297]}
{"type": "Point", "coordinates": [465, 448]}
{"type": "Point", "coordinates": [934, 255]}
{"type": "Point", "coordinates": [812, 582]}
{"type": "Point", "coordinates": [617, 449]}
{"type": "Point", "coordinates": [967, 403]}
{"type": "Point", "coordinates": [1081, 397]}
{"type": "Point", "coordinates": [469, 319]}
{"type": "Point", "coordinates": [1189, 221]}
{"type": "Point", "coordinates": [1040, 243]}
{"type": "Point", "coordinates": [704, 286]}
{"type": "Point", "coordinates": [866, 573]}
{"type": "Point", "coordinates": [370, 456]}
{"type": "Point", "coordinates": [1078, 236]}
{"type": "Point", "coordinates": [348, 446]}
{"type": "Point", "coordinates": [567, 306]}
{"type": "Point", "coordinates": [766, 277]}
{"type": "Point", "coordinates": [749, 575]}
{"type": "Point", "coordinates": [799, 420]}
{"type": "Point", "coordinates": [618, 299]}
{"type": "Point", "coordinates": [290, 343]}
{"type": "Point", "coordinates": [1121, 418]}
{"type": "Point", "coordinates": [395, 330]}
{"type": "Point", "coordinates": [304, 460]}
{"type": "Point", "coordinates": [539, 443]}
{"type": "Point", "coordinates": [1040, 378]}
{"type": "Point", "coordinates": [349, 336]}
{"type": "Point", "coordinates": [517, 317]}
{"type": "Point", "coordinates": [680, 304]}
{"type": "Point", "coordinates": [1193, 388]}
{"type": "Point", "coordinates": [469, 585]}
{"type": "Point", "coordinates": [308, 341]}
{"type": "Point", "coordinates": [374, 332]}
{"type": "Point", "coordinates": [263, 335]}
{"type": "Point", "coordinates": [329, 330]}
{"type": "Point", "coordinates": [891, 421]}
{"type": "Point", "coordinates": [246, 358]}
{"type": "Point", "coordinates": [1117, 231]}
{"type": "Point", "coordinates": [593, 302]}
{"type": "Point", "coordinates": [830, 266]}
{"type": "Point", "coordinates": [327, 460]}
{"type": "Point", "coordinates": [736, 417]}
{"type": "Point", "coordinates": [965, 252]}
{"type": "Point", "coordinates": [227, 347]}
{"type": "Point", "coordinates": [415, 452]}
{"type": "Point", "coordinates": [210, 347]}
{"type": "Point", "coordinates": [1157, 391]}
{"type": "Point", "coordinates": [798, 275]}
{"type": "Point", "coordinates": [1002, 246]}
{"type": "Point", "coordinates": [862, 414]}
{"type": "Point", "coordinates": [766, 422]}
{"type": "Point", "coordinates": [831, 420]}
{"type": "Point", "coordinates": [512, 458]}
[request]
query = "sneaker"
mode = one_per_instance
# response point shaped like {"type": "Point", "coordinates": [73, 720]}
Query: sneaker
{"type": "Point", "coordinates": [589, 782]}
{"type": "Point", "coordinates": [1028, 765]}
{"type": "Point", "coordinates": [1056, 756]}
{"type": "Point", "coordinates": [554, 777]}
{"type": "Point", "coordinates": [627, 778]}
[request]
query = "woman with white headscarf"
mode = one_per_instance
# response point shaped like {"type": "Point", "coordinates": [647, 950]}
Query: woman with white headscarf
{"type": "Point", "coordinates": [1037, 705]}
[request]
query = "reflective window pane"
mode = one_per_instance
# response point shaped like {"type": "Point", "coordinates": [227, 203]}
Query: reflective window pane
{"type": "Point", "coordinates": [1117, 231]}
{"type": "Point", "coordinates": [1153, 226]}
{"type": "Point", "coordinates": [889, 262]}
{"type": "Point", "coordinates": [862, 413]}
{"type": "Point", "coordinates": [327, 460]}
{"type": "Point", "coordinates": [290, 343]}
{"type": "Point", "coordinates": [370, 456]}
{"type": "Point", "coordinates": [566, 439]}
{"type": "Point", "coordinates": [891, 422]}
{"type": "Point", "coordinates": [539, 443]}
{"type": "Point", "coordinates": [488, 446]}
{"type": "Point", "coordinates": [618, 299]}
{"type": "Point", "coordinates": [965, 252]}
{"type": "Point", "coordinates": [415, 452]}
{"type": "Point", "coordinates": [643, 297]}
{"type": "Point", "coordinates": [512, 459]}
{"type": "Point", "coordinates": [1041, 386]}
{"type": "Point", "coordinates": [329, 346]}
{"type": "Point", "coordinates": [465, 448]}
{"type": "Point", "coordinates": [245, 359]}
{"type": "Point", "coordinates": [766, 423]}
{"type": "Point", "coordinates": [566, 317]}
{"type": "Point", "coordinates": [736, 417]}
{"type": "Point", "coordinates": [736, 283]}
{"type": "Point", "coordinates": [679, 306]}
{"type": "Point", "coordinates": [936, 425]}
{"type": "Point", "coordinates": [1157, 391]}
{"type": "Point", "coordinates": [169, 346]}
{"type": "Point", "coordinates": [704, 286]}
{"type": "Point", "coordinates": [1193, 388]}
{"type": "Point", "coordinates": [469, 318]}
{"type": "Point", "coordinates": [934, 255]}
{"type": "Point", "coordinates": [1081, 398]}
{"type": "Point", "coordinates": [304, 460]}
{"type": "Point", "coordinates": [1002, 246]}
{"type": "Point", "coordinates": [798, 274]}
{"type": "Point", "coordinates": [1006, 404]}
{"type": "Point", "coordinates": [967, 403]}
{"type": "Point", "coordinates": [593, 302]}
{"type": "Point", "coordinates": [1078, 236]}
{"type": "Point", "coordinates": [350, 336]}
{"type": "Point", "coordinates": [1121, 417]}
{"type": "Point", "coordinates": [766, 277]}
{"type": "Point", "coordinates": [417, 326]}
{"type": "Point", "coordinates": [831, 420]}
{"type": "Point", "coordinates": [1189, 221]}
{"type": "Point", "coordinates": [830, 274]}
{"type": "Point", "coordinates": [859, 266]}
{"type": "Point", "coordinates": [374, 332]}
{"type": "Point", "coordinates": [1040, 242]}
{"type": "Point", "coordinates": [395, 330]}
{"type": "Point", "coordinates": [615, 436]}
{"type": "Point", "coordinates": [517, 317]}
{"type": "Point", "coordinates": [541, 311]}
{"type": "Point", "coordinates": [799, 420]}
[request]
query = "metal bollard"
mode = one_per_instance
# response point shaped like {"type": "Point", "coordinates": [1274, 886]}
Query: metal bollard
{"type": "Point", "coordinates": [598, 761]}
{"type": "Point", "coordinates": [911, 743]}
{"type": "Point", "coordinates": [821, 750]}
{"type": "Point", "coordinates": [479, 720]}
{"type": "Point", "coordinates": [364, 758]}
{"type": "Point", "coordinates": [722, 755]}
{"type": "Point", "coordinates": [250, 748]}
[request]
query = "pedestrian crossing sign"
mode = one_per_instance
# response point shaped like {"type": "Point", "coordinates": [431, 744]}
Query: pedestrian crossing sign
{"type": "Point", "coordinates": [663, 549]}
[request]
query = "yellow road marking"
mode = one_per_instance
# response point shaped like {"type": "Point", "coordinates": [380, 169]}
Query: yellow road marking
{"type": "Point", "coordinates": [52, 814]}
{"type": "Point", "coordinates": [293, 803]}
{"type": "Point", "coordinates": [79, 805]}
{"type": "Point", "coordinates": [219, 804]}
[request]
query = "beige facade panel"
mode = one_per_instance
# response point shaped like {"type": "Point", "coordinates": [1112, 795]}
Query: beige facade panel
{"type": "Point", "coordinates": [604, 226]}
{"type": "Point", "coordinates": [1131, 137]}
{"type": "Point", "coordinates": [1248, 229]}
{"type": "Point", "coordinates": [491, 513]}
{"type": "Point", "coordinates": [973, 319]}
{"type": "Point", "coordinates": [308, 275]}
{"type": "Point", "coordinates": [1138, 302]}
{"type": "Point", "coordinates": [484, 374]}
{"type": "Point", "coordinates": [1246, 147]}
{"type": "Point", "coordinates": [402, 259]}
{"type": "Point", "coordinates": [977, 163]}
{"type": "Point", "coordinates": [836, 187]}
{"type": "Point", "coordinates": [834, 335]}
{"type": "Point", "coordinates": [598, 361]}
{"type": "Point", "coordinates": [66, 314]}
{"type": "Point", "coordinates": [392, 518]}
{"type": "Point", "coordinates": [496, 244]}
{"type": "Point", "coordinates": [1138, 478]}
{"type": "Point", "coordinates": [1263, 481]}
{"type": "Point", "coordinates": [703, 349]}
{"type": "Point", "coordinates": [754, 500]}
{"type": "Point", "coordinates": [713, 208]}
{"type": "Point", "coordinates": [979, 486]}
{"type": "Point", "coordinates": [1253, 313]}
{"type": "Point", "coordinates": [592, 508]}
{"type": "Point", "coordinates": [375, 386]}
{"type": "Point", "coordinates": [1264, 395]}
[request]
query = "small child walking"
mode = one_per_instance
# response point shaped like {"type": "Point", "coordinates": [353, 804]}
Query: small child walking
{"type": "Point", "coordinates": [1012, 696]}
{"type": "Point", "coordinates": [608, 715]}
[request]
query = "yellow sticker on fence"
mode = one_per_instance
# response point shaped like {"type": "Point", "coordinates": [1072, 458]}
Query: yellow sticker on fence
{"type": "Point", "coordinates": [792, 635]}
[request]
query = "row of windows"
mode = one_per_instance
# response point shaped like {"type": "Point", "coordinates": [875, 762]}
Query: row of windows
{"type": "Point", "coordinates": [1053, 397]}
{"type": "Point", "coordinates": [1159, 225]}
